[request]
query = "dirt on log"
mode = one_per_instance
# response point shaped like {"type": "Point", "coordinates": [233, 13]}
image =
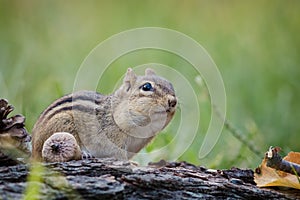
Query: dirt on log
{"type": "Point", "coordinates": [113, 179]}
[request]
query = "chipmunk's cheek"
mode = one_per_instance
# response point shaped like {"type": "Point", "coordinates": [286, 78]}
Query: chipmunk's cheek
{"type": "Point", "coordinates": [147, 120]}
{"type": "Point", "coordinates": [139, 119]}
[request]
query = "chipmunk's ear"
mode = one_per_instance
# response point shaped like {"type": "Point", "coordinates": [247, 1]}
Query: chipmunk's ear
{"type": "Point", "coordinates": [129, 79]}
{"type": "Point", "coordinates": [149, 71]}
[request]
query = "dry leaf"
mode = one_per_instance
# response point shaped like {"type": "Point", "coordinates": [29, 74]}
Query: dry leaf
{"type": "Point", "coordinates": [266, 176]}
{"type": "Point", "coordinates": [293, 157]}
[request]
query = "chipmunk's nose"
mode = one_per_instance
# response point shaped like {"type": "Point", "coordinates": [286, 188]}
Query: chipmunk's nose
{"type": "Point", "coordinates": [172, 101]}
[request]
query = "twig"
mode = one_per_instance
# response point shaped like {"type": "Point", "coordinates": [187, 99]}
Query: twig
{"type": "Point", "coordinates": [237, 133]}
{"type": "Point", "coordinates": [274, 160]}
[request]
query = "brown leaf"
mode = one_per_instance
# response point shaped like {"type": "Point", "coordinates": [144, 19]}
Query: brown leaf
{"type": "Point", "coordinates": [293, 157]}
{"type": "Point", "coordinates": [266, 176]}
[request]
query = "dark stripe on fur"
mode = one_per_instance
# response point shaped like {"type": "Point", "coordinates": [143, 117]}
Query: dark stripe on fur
{"type": "Point", "coordinates": [83, 95]}
{"type": "Point", "coordinates": [63, 100]}
{"type": "Point", "coordinates": [82, 108]}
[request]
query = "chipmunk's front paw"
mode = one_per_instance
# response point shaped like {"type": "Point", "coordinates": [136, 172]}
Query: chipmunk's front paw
{"type": "Point", "coordinates": [86, 155]}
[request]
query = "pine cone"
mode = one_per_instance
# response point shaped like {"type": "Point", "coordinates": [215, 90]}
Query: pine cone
{"type": "Point", "coordinates": [14, 139]}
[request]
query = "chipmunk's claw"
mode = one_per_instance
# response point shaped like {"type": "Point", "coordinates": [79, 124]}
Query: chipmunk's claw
{"type": "Point", "coordinates": [86, 155]}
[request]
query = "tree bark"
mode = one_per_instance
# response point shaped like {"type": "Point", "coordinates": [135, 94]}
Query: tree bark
{"type": "Point", "coordinates": [112, 179]}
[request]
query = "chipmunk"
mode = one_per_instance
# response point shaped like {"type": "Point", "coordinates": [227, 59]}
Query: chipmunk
{"type": "Point", "coordinates": [117, 125]}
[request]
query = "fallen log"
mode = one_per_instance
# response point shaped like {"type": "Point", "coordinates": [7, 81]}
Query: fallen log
{"type": "Point", "coordinates": [113, 179]}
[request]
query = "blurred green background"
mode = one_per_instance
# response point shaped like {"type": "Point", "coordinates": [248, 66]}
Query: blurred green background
{"type": "Point", "coordinates": [255, 44]}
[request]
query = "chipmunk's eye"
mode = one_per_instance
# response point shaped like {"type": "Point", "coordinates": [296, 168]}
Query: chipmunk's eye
{"type": "Point", "coordinates": [147, 87]}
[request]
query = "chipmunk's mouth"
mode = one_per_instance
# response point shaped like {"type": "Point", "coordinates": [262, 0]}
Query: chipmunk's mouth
{"type": "Point", "coordinates": [165, 112]}
{"type": "Point", "coordinates": [170, 110]}
{"type": "Point", "coordinates": [164, 109]}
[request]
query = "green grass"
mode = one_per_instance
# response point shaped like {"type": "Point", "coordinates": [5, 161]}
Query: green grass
{"type": "Point", "coordinates": [35, 180]}
{"type": "Point", "coordinates": [255, 44]}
